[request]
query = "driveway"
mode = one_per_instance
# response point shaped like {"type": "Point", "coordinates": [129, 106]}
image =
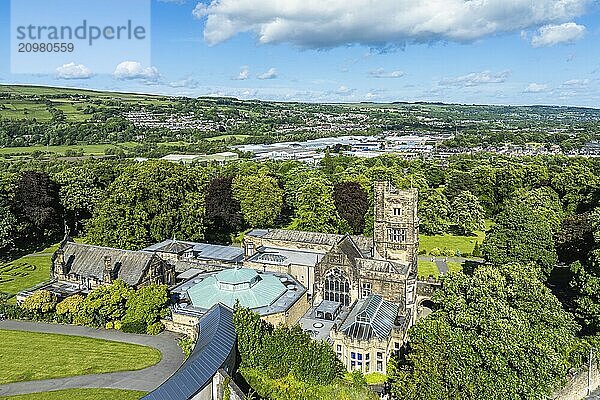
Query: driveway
{"type": "Point", "coordinates": [145, 380]}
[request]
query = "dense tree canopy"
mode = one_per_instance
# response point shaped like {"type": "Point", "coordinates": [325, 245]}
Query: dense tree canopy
{"type": "Point", "coordinates": [496, 334]}
{"type": "Point", "coordinates": [467, 213]}
{"type": "Point", "coordinates": [316, 208]}
{"type": "Point", "coordinates": [352, 204]}
{"type": "Point", "coordinates": [260, 199]}
{"type": "Point", "coordinates": [434, 212]}
{"type": "Point", "coordinates": [521, 235]}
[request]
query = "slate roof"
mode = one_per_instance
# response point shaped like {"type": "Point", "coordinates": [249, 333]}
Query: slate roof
{"type": "Point", "coordinates": [364, 244]}
{"type": "Point", "coordinates": [201, 250]}
{"type": "Point", "coordinates": [371, 317]}
{"type": "Point", "coordinates": [215, 349]}
{"type": "Point", "coordinates": [88, 261]}
{"type": "Point", "coordinates": [382, 266]}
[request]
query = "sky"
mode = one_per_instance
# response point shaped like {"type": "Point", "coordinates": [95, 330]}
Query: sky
{"type": "Point", "coordinates": [454, 51]}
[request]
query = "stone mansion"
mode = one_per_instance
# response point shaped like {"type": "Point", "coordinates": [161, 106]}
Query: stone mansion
{"type": "Point", "coordinates": [355, 292]}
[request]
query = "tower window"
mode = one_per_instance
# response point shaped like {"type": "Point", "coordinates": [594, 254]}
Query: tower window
{"type": "Point", "coordinates": [366, 289]}
{"type": "Point", "coordinates": [397, 212]}
{"type": "Point", "coordinates": [397, 235]}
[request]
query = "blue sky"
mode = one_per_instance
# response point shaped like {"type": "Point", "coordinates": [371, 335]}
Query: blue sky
{"type": "Point", "coordinates": [480, 51]}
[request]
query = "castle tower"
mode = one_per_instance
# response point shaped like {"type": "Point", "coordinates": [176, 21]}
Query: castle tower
{"type": "Point", "coordinates": [396, 229]}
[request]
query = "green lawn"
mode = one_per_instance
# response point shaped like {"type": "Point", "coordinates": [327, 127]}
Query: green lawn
{"type": "Point", "coordinates": [454, 242]}
{"type": "Point", "coordinates": [289, 388]}
{"type": "Point", "coordinates": [27, 356]}
{"type": "Point", "coordinates": [375, 378]}
{"type": "Point", "coordinates": [427, 268]}
{"type": "Point", "coordinates": [24, 273]}
{"type": "Point", "coordinates": [454, 266]}
{"type": "Point", "coordinates": [80, 394]}
{"type": "Point", "coordinates": [90, 149]}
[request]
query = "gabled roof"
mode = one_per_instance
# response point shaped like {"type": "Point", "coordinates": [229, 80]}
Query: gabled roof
{"type": "Point", "coordinates": [349, 248]}
{"type": "Point", "coordinates": [88, 261]}
{"type": "Point", "coordinates": [371, 317]}
{"type": "Point", "coordinates": [174, 246]}
{"type": "Point", "coordinates": [215, 349]}
{"type": "Point", "coordinates": [201, 250]}
{"type": "Point", "coordinates": [382, 266]}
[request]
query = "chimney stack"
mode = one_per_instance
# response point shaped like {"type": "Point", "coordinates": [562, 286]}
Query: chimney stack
{"type": "Point", "coordinates": [108, 269]}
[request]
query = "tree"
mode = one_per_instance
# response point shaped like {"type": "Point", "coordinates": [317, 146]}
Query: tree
{"type": "Point", "coordinates": [352, 204]}
{"type": "Point", "coordinates": [147, 305]}
{"type": "Point", "coordinates": [467, 213]}
{"type": "Point", "coordinates": [223, 211]}
{"type": "Point", "coordinates": [521, 235]}
{"type": "Point", "coordinates": [142, 206]}
{"type": "Point", "coordinates": [36, 207]}
{"type": "Point", "coordinates": [586, 281]}
{"type": "Point", "coordinates": [105, 304]}
{"type": "Point", "coordinates": [316, 209]}
{"type": "Point", "coordinates": [543, 201]}
{"type": "Point", "coordinates": [260, 199]}
{"type": "Point", "coordinates": [496, 334]}
{"type": "Point", "coordinates": [433, 212]}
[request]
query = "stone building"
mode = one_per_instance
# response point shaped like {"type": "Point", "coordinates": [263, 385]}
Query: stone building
{"type": "Point", "coordinates": [353, 281]}
{"type": "Point", "coordinates": [91, 266]}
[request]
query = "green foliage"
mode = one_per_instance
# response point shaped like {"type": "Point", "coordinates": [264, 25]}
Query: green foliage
{"type": "Point", "coordinates": [521, 235]}
{"type": "Point", "coordinates": [147, 306]}
{"type": "Point", "coordinates": [260, 199]}
{"type": "Point", "coordinates": [284, 351]}
{"type": "Point", "coordinates": [40, 302]}
{"type": "Point", "coordinates": [291, 388]}
{"type": "Point", "coordinates": [81, 394]}
{"type": "Point", "coordinates": [70, 308]}
{"type": "Point", "coordinates": [143, 206]}
{"type": "Point", "coordinates": [106, 304]}
{"type": "Point", "coordinates": [467, 213]}
{"type": "Point", "coordinates": [187, 345]}
{"type": "Point", "coordinates": [134, 326]}
{"type": "Point", "coordinates": [434, 212]}
{"type": "Point", "coordinates": [498, 333]}
{"type": "Point", "coordinates": [316, 208]}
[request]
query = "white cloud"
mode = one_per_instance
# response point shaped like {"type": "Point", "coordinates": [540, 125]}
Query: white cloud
{"type": "Point", "coordinates": [381, 73]}
{"type": "Point", "coordinates": [549, 35]}
{"type": "Point", "coordinates": [73, 71]}
{"type": "Point", "coordinates": [536, 88]}
{"type": "Point", "coordinates": [576, 83]}
{"type": "Point", "coordinates": [318, 24]}
{"type": "Point", "coordinates": [270, 74]}
{"type": "Point", "coordinates": [135, 70]}
{"type": "Point", "coordinates": [243, 75]}
{"type": "Point", "coordinates": [188, 83]}
{"type": "Point", "coordinates": [476, 79]}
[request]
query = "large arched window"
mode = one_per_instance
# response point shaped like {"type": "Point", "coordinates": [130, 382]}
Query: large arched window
{"type": "Point", "coordinates": [337, 287]}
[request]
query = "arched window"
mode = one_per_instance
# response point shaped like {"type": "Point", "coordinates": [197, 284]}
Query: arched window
{"type": "Point", "coordinates": [337, 287]}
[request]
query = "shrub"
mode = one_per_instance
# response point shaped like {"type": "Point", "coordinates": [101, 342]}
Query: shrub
{"type": "Point", "coordinates": [187, 345]}
{"type": "Point", "coordinates": [448, 252]}
{"type": "Point", "coordinates": [133, 326]}
{"type": "Point", "coordinates": [155, 328]}
{"type": "Point", "coordinates": [40, 303]}
{"type": "Point", "coordinates": [435, 252]}
{"type": "Point", "coordinates": [68, 309]}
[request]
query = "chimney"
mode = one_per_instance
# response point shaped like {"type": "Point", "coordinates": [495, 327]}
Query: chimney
{"type": "Point", "coordinates": [108, 269]}
{"type": "Point", "coordinates": [60, 266]}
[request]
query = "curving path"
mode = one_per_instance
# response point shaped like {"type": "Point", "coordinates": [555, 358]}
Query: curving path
{"type": "Point", "coordinates": [145, 380]}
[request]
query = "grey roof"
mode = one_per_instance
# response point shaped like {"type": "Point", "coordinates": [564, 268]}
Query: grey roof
{"type": "Point", "coordinates": [365, 244]}
{"type": "Point", "coordinates": [382, 266]}
{"type": "Point", "coordinates": [217, 252]}
{"type": "Point", "coordinates": [200, 250]}
{"type": "Point", "coordinates": [279, 256]}
{"type": "Point", "coordinates": [371, 317]}
{"type": "Point", "coordinates": [215, 349]}
{"type": "Point", "coordinates": [88, 261]}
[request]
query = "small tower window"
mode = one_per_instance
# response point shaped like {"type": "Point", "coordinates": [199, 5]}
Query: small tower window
{"type": "Point", "coordinates": [397, 235]}
{"type": "Point", "coordinates": [397, 211]}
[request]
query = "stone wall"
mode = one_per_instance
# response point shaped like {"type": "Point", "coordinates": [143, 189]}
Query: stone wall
{"type": "Point", "coordinates": [577, 386]}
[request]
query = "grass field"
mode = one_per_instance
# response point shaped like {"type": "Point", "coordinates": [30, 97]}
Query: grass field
{"type": "Point", "coordinates": [427, 268]}
{"type": "Point", "coordinates": [25, 272]}
{"type": "Point", "coordinates": [80, 394]}
{"type": "Point", "coordinates": [28, 356]}
{"type": "Point", "coordinates": [454, 242]}
{"type": "Point", "coordinates": [89, 149]}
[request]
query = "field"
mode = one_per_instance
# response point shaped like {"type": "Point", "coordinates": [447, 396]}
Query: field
{"type": "Point", "coordinates": [80, 394]}
{"type": "Point", "coordinates": [28, 356]}
{"type": "Point", "coordinates": [25, 272]}
{"type": "Point", "coordinates": [90, 149]}
{"type": "Point", "coordinates": [453, 242]}
{"type": "Point", "coordinates": [427, 268]}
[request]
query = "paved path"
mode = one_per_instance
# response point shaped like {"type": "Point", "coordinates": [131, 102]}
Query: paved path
{"type": "Point", "coordinates": [146, 379]}
{"type": "Point", "coordinates": [441, 265]}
